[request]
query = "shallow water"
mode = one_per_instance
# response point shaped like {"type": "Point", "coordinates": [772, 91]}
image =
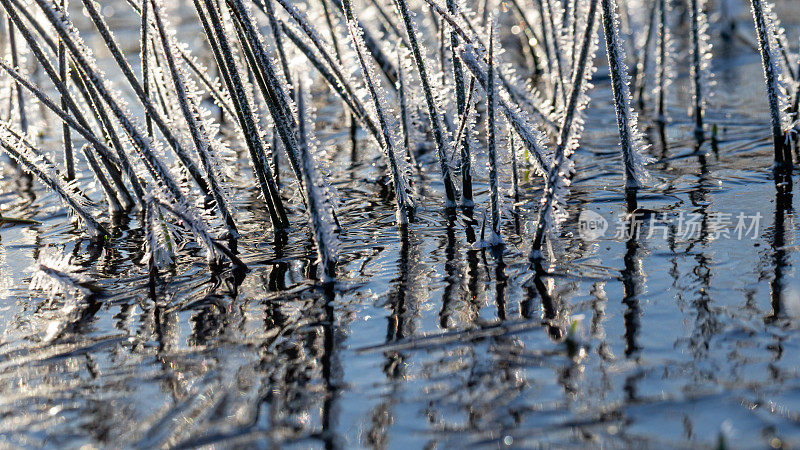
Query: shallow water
{"type": "Point", "coordinates": [665, 340]}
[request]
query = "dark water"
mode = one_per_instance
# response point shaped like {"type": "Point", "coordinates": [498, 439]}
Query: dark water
{"type": "Point", "coordinates": [666, 340]}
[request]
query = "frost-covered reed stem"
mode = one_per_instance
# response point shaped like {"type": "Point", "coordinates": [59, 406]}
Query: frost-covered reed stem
{"type": "Point", "coordinates": [388, 22]}
{"type": "Point", "coordinates": [404, 120]}
{"type": "Point", "coordinates": [574, 32]}
{"type": "Point", "coordinates": [796, 97]}
{"type": "Point", "coordinates": [557, 178]}
{"type": "Point", "coordinates": [644, 58]}
{"type": "Point", "coordinates": [386, 141]}
{"type": "Point", "coordinates": [196, 128]}
{"type": "Point", "coordinates": [145, 62]}
{"type": "Point", "coordinates": [144, 146]}
{"type": "Point", "coordinates": [329, 65]}
{"type": "Point", "coordinates": [69, 159]}
{"type": "Point", "coordinates": [276, 37]}
{"type": "Point", "coordinates": [329, 18]}
{"type": "Point", "coordinates": [433, 115]}
{"type": "Point", "coordinates": [509, 89]}
{"type": "Point", "coordinates": [202, 74]}
{"type": "Point", "coordinates": [311, 32]}
{"type": "Point", "coordinates": [55, 77]}
{"type": "Point", "coordinates": [699, 30]}
{"type": "Point", "coordinates": [780, 42]}
{"type": "Point", "coordinates": [332, 29]}
{"type": "Point", "coordinates": [442, 50]}
{"type": "Point", "coordinates": [321, 217]}
{"type": "Point", "coordinates": [35, 24]}
{"type": "Point", "coordinates": [464, 123]}
{"type": "Point", "coordinates": [567, 22]}
{"type": "Point", "coordinates": [555, 39]}
{"type": "Point", "coordinates": [783, 155]}
{"type": "Point", "coordinates": [544, 40]}
{"type": "Point", "coordinates": [495, 239]}
{"type": "Point", "coordinates": [630, 139]}
{"type": "Point", "coordinates": [662, 62]}
{"type": "Point", "coordinates": [461, 107]}
{"type": "Point", "coordinates": [12, 45]}
{"type": "Point", "coordinates": [353, 104]}
{"type": "Point", "coordinates": [160, 90]}
{"type": "Point", "coordinates": [244, 112]}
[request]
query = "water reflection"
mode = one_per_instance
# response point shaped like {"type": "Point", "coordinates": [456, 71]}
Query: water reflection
{"type": "Point", "coordinates": [705, 320]}
{"type": "Point", "coordinates": [500, 281]}
{"type": "Point", "coordinates": [452, 273]}
{"type": "Point", "coordinates": [780, 256]}
{"type": "Point", "coordinates": [631, 280]}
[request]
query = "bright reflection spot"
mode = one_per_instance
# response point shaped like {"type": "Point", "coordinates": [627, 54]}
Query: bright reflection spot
{"type": "Point", "coordinates": [52, 330]}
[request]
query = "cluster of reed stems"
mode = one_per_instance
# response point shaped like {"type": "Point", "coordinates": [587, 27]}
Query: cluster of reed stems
{"type": "Point", "coordinates": [241, 88]}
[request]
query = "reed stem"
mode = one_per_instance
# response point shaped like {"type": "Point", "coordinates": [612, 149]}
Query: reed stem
{"type": "Point", "coordinates": [495, 238]}
{"type": "Point", "coordinates": [433, 115]}
{"type": "Point", "coordinates": [783, 154]}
